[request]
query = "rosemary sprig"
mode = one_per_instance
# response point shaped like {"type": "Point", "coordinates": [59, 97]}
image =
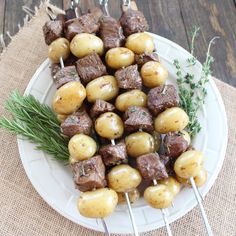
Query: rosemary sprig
{"type": "Point", "coordinates": [36, 122]}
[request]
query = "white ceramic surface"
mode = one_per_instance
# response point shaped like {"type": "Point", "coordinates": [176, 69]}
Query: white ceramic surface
{"type": "Point", "coordinates": [53, 180]}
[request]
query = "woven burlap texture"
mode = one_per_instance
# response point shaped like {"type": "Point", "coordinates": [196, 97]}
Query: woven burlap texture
{"type": "Point", "coordinates": [24, 213]}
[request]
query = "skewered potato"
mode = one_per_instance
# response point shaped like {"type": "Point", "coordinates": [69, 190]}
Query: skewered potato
{"type": "Point", "coordinates": [59, 48]}
{"type": "Point", "coordinates": [69, 98]}
{"type": "Point", "coordinates": [140, 143]}
{"type": "Point", "coordinates": [83, 44]}
{"type": "Point", "coordinates": [172, 184]}
{"type": "Point", "coordinates": [104, 87]}
{"type": "Point", "coordinates": [123, 178]}
{"type": "Point", "coordinates": [189, 164]}
{"type": "Point", "coordinates": [81, 147]}
{"type": "Point", "coordinates": [172, 119]}
{"type": "Point", "coordinates": [134, 195]}
{"type": "Point", "coordinates": [140, 43]}
{"type": "Point", "coordinates": [119, 57]}
{"type": "Point", "coordinates": [109, 125]}
{"type": "Point", "coordinates": [98, 203]}
{"type": "Point", "coordinates": [61, 118]}
{"type": "Point", "coordinates": [131, 98]}
{"type": "Point", "coordinates": [158, 196]}
{"type": "Point", "coordinates": [157, 140]}
{"type": "Point", "coordinates": [153, 74]}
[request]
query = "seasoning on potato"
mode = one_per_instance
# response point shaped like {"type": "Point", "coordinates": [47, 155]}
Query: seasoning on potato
{"type": "Point", "coordinates": [170, 120]}
{"type": "Point", "coordinates": [84, 44]}
{"type": "Point", "coordinates": [140, 43]}
{"type": "Point", "coordinates": [104, 87]}
{"type": "Point", "coordinates": [117, 58]}
{"type": "Point", "coordinates": [134, 195]}
{"type": "Point", "coordinates": [69, 98]}
{"type": "Point", "coordinates": [133, 97]}
{"type": "Point", "coordinates": [172, 184]}
{"type": "Point", "coordinates": [59, 48]}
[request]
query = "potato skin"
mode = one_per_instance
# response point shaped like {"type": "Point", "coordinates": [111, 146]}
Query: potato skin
{"type": "Point", "coordinates": [133, 97]}
{"type": "Point", "coordinates": [153, 74]}
{"type": "Point", "coordinates": [140, 43]}
{"type": "Point", "coordinates": [172, 184]}
{"type": "Point", "coordinates": [81, 147]}
{"type": "Point", "coordinates": [69, 98]}
{"type": "Point", "coordinates": [61, 118]}
{"type": "Point", "coordinates": [158, 196]}
{"type": "Point", "coordinates": [109, 125]}
{"type": "Point", "coordinates": [59, 48]}
{"type": "Point", "coordinates": [98, 203]}
{"type": "Point", "coordinates": [140, 143]}
{"type": "Point", "coordinates": [189, 164]}
{"type": "Point", "coordinates": [170, 120]}
{"type": "Point", "coordinates": [104, 87]}
{"type": "Point", "coordinates": [134, 196]}
{"type": "Point", "coordinates": [117, 58]}
{"type": "Point", "coordinates": [123, 178]}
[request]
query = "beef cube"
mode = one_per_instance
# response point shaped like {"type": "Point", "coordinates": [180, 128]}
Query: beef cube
{"type": "Point", "coordinates": [111, 33]}
{"type": "Point", "coordinates": [90, 67]}
{"type": "Point", "coordinates": [54, 69]}
{"type": "Point", "coordinates": [100, 106]}
{"type": "Point", "coordinates": [96, 12]}
{"type": "Point", "coordinates": [62, 18]}
{"type": "Point", "coordinates": [162, 97]}
{"type": "Point", "coordinates": [133, 21]}
{"type": "Point", "coordinates": [65, 75]}
{"type": "Point", "coordinates": [136, 118]}
{"type": "Point", "coordinates": [169, 164]}
{"type": "Point", "coordinates": [129, 78]}
{"type": "Point", "coordinates": [141, 59]}
{"type": "Point", "coordinates": [175, 144]}
{"type": "Point", "coordinates": [89, 174]}
{"type": "Point", "coordinates": [114, 154]}
{"type": "Point", "coordinates": [85, 24]}
{"type": "Point", "coordinates": [151, 167]}
{"type": "Point", "coordinates": [79, 122]}
{"type": "Point", "coordinates": [52, 30]}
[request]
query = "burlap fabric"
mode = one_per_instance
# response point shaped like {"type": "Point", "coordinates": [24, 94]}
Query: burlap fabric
{"type": "Point", "coordinates": [24, 213]}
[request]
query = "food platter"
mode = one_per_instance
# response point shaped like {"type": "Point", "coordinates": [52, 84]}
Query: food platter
{"type": "Point", "coordinates": [53, 180]}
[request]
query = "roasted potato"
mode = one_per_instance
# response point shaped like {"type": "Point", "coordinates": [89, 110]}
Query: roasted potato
{"type": "Point", "coordinates": [172, 184]}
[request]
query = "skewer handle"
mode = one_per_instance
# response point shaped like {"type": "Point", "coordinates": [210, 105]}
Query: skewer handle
{"type": "Point", "coordinates": [62, 62]}
{"type": "Point", "coordinates": [199, 200]}
{"type": "Point", "coordinates": [166, 222]}
{"type": "Point", "coordinates": [105, 227]}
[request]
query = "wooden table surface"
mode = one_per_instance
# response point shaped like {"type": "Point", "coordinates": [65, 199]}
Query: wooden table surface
{"type": "Point", "coordinates": [173, 19]}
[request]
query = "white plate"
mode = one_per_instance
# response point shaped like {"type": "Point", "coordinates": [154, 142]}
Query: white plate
{"type": "Point", "coordinates": [53, 180]}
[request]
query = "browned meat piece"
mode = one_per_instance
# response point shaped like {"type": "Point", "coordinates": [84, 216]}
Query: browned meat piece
{"type": "Point", "coordinates": [169, 164]}
{"type": "Point", "coordinates": [151, 167]}
{"type": "Point", "coordinates": [162, 97]}
{"type": "Point", "coordinates": [89, 174]}
{"type": "Point", "coordinates": [65, 75]}
{"type": "Point", "coordinates": [96, 12]}
{"type": "Point", "coordinates": [79, 122]}
{"type": "Point", "coordinates": [52, 30]}
{"type": "Point", "coordinates": [129, 78]}
{"type": "Point", "coordinates": [174, 144]}
{"type": "Point", "coordinates": [54, 68]}
{"type": "Point", "coordinates": [133, 21]}
{"type": "Point", "coordinates": [85, 24]}
{"type": "Point", "coordinates": [141, 59]}
{"type": "Point", "coordinates": [62, 18]}
{"type": "Point", "coordinates": [136, 118]}
{"type": "Point", "coordinates": [90, 67]}
{"type": "Point", "coordinates": [101, 106]}
{"type": "Point", "coordinates": [111, 33]}
{"type": "Point", "coordinates": [114, 154]}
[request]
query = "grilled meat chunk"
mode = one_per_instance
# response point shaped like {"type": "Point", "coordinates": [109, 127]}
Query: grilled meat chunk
{"type": "Point", "coordinates": [96, 12]}
{"type": "Point", "coordinates": [100, 106]}
{"type": "Point", "coordinates": [141, 59]}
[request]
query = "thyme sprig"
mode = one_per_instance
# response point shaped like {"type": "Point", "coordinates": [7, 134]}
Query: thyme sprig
{"type": "Point", "coordinates": [37, 123]}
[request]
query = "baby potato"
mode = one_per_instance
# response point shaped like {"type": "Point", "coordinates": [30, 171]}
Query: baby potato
{"type": "Point", "coordinates": [61, 118]}
{"type": "Point", "coordinates": [189, 164]}
{"type": "Point", "coordinates": [123, 178]}
{"type": "Point", "coordinates": [158, 196]}
{"type": "Point", "coordinates": [59, 48]}
{"type": "Point", "coordinates": [157, 140]}
{"type": "Point", "coordinates": [133, 97]}
{"type": "Point", "coordinates": [104, 87]}
{"type": "Point", "coordinates": [133, 196]}
{"type": "Point", "coordinates": [81, 147]}
{"type": "Point", "coordinates": [69, 98]}
{"type": "Point", "coordinates": [140, 143]}
{"type": "Point", "coordinates": [119, 57]}
{"type": "Point", "coordinates": [172, 184]}
{"type": "Point", "coordinates": [84, 44]}
{"type": "Point", "coordinates": [153, 74]}
{"type": "Point", "coordinates": [140, 43]}
{"type": "Point", "coordinates": [109, 125]}
{"type": "Point", "coordinates": [170, 120]}
{"type": "Point", "coordinates": [98, 203]}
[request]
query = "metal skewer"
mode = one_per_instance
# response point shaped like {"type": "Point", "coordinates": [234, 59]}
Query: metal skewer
{"type": "Point", "coordinates": [104, 5]}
